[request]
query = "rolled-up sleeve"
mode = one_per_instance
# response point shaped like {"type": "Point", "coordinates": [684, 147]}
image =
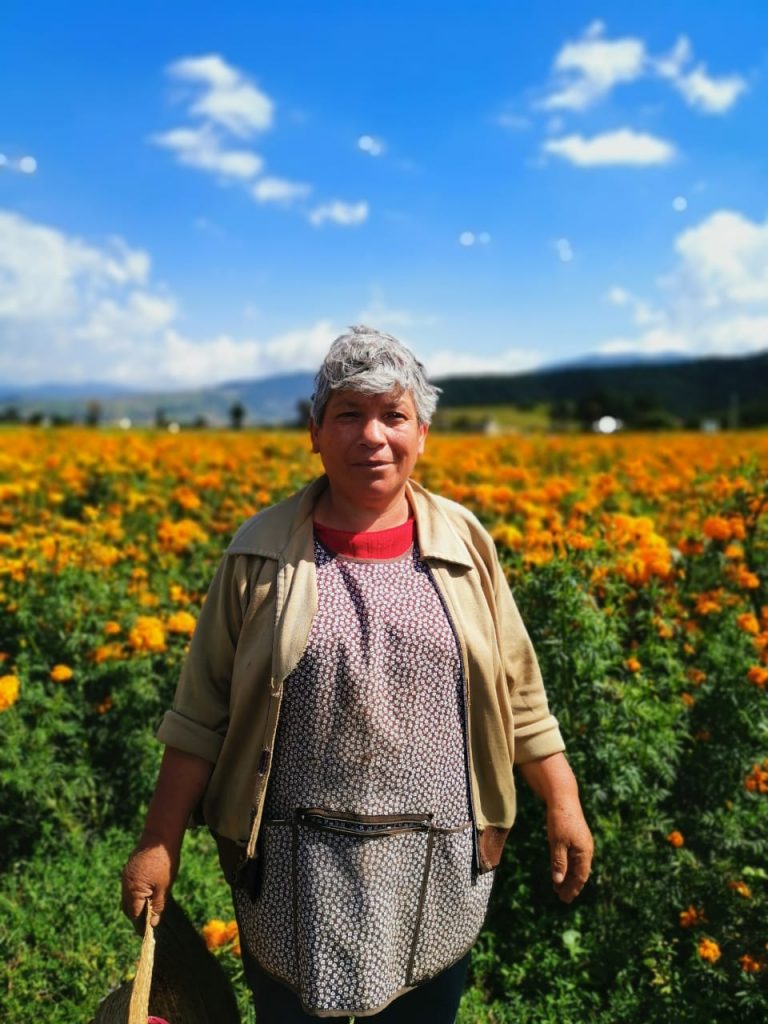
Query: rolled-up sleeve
{"type": "Point", "coordinates": [198, 720]}
{"type": "Point", "coordinates": [537, 733]}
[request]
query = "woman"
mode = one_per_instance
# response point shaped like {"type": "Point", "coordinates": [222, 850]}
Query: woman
{"type": "Point", "coordinates": [357, 691]}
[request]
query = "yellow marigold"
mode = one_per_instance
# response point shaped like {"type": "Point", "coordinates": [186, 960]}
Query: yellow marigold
{"type": "Point", "coordinates": [181, 622]}
{"type": "Point", "coordinates": [741, 888]}
{"type": "Point", "coordinates": [709, 950]}
{"type": "Point", "coordinates": [749, 964]}
{"type": "Point", "coordinates": [676, 838]}
{"type": "Point", "coordinates": [218, 933]}
{"type": "Point", "coordinates": [147, 634]}
{"type": "Point", "coordinates": [61, 673]}
{"type": "Point", "coordinates": [758, 675]}
{"type": "Point", "coordinates": [178, 594]}
{"type": "Point", "coordinates": [689, 917]}
{"type": "Point", "coordinates": [9, 692]}
{"type": "Point", "coordinates": [633, 664]}
{"type": "Point", "coordinates": [748, 622]}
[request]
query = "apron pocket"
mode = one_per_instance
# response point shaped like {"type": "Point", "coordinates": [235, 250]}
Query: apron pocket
{"type": "Point", "coordinates": [358, 886]}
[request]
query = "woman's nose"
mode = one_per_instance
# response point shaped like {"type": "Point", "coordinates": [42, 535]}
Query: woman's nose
{"type": "Point", "coordinates": [372, 431]}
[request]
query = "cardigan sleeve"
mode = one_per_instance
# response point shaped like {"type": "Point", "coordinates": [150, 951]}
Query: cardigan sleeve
{"type": "Point", "coordinates": [198, 720]}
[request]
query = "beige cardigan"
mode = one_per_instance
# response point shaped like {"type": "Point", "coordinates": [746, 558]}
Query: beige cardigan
{"type": "Point", "coordinates": [253, 628]}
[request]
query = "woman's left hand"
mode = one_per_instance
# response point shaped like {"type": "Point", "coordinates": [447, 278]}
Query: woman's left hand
{"type": "Point", "coordinates": [570, 848]}
{"type": "Point", "coordinates": [570, 841]}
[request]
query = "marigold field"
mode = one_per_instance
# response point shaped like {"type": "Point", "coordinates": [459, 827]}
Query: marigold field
{"type": "Point", "coordinates": [640, 566]}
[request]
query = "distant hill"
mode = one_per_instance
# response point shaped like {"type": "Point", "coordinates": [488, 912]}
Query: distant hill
{"type": "Point", "coordinates": [269, 401]}
{"type": "Point", "coordinates": [703, 388]}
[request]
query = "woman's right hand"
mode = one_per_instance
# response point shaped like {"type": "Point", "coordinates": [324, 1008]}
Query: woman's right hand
{"type": "Point", "coordinates": [149, 874]}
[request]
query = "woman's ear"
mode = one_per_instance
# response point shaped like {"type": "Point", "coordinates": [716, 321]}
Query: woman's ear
{"type": "Point", "coordinates": [313, 435]}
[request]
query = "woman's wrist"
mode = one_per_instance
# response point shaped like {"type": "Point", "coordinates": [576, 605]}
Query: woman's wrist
{"type": "Point", "coordinates": [552, 779]}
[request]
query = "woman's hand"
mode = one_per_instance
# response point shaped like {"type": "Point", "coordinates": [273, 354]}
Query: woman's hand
{"type": "Point", "coordinates": [570, 841]}
{"type": "Point", "coordinates": [570, 848]}
{"type": "Point", "coordinates": [149, 874]}
{"type": "Point", "coordinates": [153, 865]}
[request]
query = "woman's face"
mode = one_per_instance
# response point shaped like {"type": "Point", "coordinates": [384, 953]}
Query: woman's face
{"type": "Point", "coordinates": [369, 444]}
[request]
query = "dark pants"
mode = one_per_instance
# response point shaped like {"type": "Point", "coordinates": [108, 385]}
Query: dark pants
{"type": "Point", "coordinates": [436, 1001]}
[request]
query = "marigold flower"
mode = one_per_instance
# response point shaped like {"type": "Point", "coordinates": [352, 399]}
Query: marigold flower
{"type": "Point", "coordinates": [747, 580]}
{"type": "Point", "coordinates": [675, 837]}
{"type": "Point", "coordinates": [741, 888]}
{"type": "Point", "coordinates": [758, 675]}
{"type": "Point", "coordinates": [749, 964]}
{"type": "Point", "coordinates": [181, 622]}
{"type": "Point", "coordinates": [716, 528]}
{"type": "Point", "coordinates": [689, 917]}
{"type": "Point", "coordinates": [147, 635]}
{"type": "Point", "coordinates": [112, 628]}
{"type": "Point", "coordinates": [104, 706]}
{"type": "Point", "coordinates": [748, 622]}
{"type": "Point", "coordinates": [709, 950]}
{"type": "Point", "coordinates": [633, 664]}
{"type": "Point", "coordinates": [107, 652]}
{"type": "Point", "coordinates": [757, 780]}
{"type": "Point", "coordinates": [61, 673]}
{"type": "Point", "coordinates": [218, 933]}
{"type": "Point", "coordinates": [9, 691]}
{"type": "Point", "coordinates": [688, 699]}
{"type": "Point", "coordinates": [696, 675]}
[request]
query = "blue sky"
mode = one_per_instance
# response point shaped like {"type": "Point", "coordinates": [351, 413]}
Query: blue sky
{"type": "Point", "coordinates": [194, 192]}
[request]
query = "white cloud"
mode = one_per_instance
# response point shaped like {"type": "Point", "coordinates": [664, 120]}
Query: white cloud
{"type": "Point", "coordinates": [712, 95]}
{"type": "Point", "coordinates": [338, 212]}
{"type": "Point", "coordinates": [714, 301]}
{"type": "Point", "coordinates": [564, 250]}
{"type": "Point", "coordinates": [201, 147]}
{"type": "Point", "coordinates": [589, 68]}
{"type": "Point", "coordinates": [625, 146]}
{"type": "Point", "coordinates": [229, 104]}
{"type": "Point", "coordinates": [229, 98]}
{"type": "Point", "coordinates": [22, 165]}
{"type": "Point", "coordinates": [74, 311]}
{"type": "Point", "coordinates": [371, 145]}
{"type": "Point", "coordinates": [278, 190]}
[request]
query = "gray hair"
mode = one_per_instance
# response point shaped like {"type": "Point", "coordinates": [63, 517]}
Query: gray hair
{"type": "Point", "coordinates": [373, 363]}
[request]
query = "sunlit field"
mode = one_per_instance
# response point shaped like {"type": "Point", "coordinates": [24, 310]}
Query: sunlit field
{"type": "Point", "coordinates": [640, 566]}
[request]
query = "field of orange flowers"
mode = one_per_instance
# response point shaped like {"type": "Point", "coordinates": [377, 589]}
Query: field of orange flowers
{"type": "Point", "coordinates": [640, 565]}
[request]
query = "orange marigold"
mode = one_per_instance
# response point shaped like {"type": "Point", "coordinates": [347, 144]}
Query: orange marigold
{"type": "Point", "coordinates": [218, 933]}
{"type": "Point", "coordinates": [717, 528]}
{"type": "Point", "coordinates": [61, 673]}
{"type": "Point", "coordinates": [633, 664]}
{"type": "Point", "coordinates": [696, 676]}
{"type": "Point", "coordinates": [741, 888]}
{"type": "Point", "coordinates": [709, 950]}
{"type": "Point", "coordinates": [748, 622]}
{"type": "Point", "coordinates": [749, 964]}
{"type": "Point", "coordinates": [757, 780]}
{"type": "Point", "coordinates": [690, 917]}
{"type": "Point", "coordinates": [758, 675]}
{"type": "Point", "coordinates": [675, 837]}
{"type": "Point", "coordinates": [111, 628]}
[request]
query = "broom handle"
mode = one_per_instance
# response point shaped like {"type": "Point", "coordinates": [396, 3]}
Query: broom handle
{"type": "Point", "coordinates": [138, 1010]}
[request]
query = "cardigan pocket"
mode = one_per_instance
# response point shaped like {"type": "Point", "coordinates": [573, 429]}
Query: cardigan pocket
{"type": "Point", "coordinates": [358, 886]}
